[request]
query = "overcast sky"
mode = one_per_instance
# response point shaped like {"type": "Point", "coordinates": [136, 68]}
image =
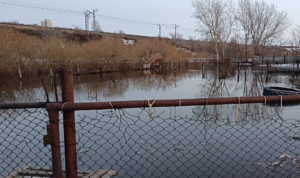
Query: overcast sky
{"type": "Point", "coordinates": [131, 16]}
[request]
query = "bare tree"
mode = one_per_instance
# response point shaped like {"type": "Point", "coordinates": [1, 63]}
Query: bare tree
{"type": "Point", "coordinates": [261, 22]}
{"type": "Point", "coordinates": [216, 21]}
{"type": "Point", "coordinates": [296, 36]}
{"type": "Point", "coordinates": [243, 15]}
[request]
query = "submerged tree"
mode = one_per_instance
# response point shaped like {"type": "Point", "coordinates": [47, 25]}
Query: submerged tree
{"type": "Point", "coordinates": [216, 21]}
{"type": "Point", "coordinates": [258, 23]}
{"type": "Point", "coordinates": [261, 22]}
{"type": "Point", "coordinates": [296, 36]}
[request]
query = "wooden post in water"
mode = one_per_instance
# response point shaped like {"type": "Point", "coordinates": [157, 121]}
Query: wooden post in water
{"type": "Point", "coordinates": [20, 73]}
{"type": "Point", "coordinates": [238, 77]}
{"type": "Point", "coordinates": [174, 67]}
{"type": "Point", "coordinates": [51, 72]}
{"type": "Point", "coordinates": [203, 71]}
{"type": "Point", "coordinates": [77, 68]}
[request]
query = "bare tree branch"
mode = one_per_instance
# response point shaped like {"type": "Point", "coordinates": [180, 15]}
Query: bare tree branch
{"type": "Point", "coordinates": [261, 22]}
{"type": "Point", "coordinates": [296, 36]}
{"type": "Point", "coordinates": [216, 21]}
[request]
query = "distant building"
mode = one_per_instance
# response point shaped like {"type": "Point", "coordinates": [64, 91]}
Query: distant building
{"type": "Point", "coordinates": [46, 23]}
{"type": "Point", "coordinates": [128, 42]}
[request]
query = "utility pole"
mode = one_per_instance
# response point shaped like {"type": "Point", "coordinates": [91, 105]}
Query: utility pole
{"type": "Point", "coordinates": [159, 29]}
{"type": "Point", "coordinates": [87, 19]}
{"type": "Point", "coordinates": [175, 35]}
{"type": "Point", "coordinates": [94, 19]}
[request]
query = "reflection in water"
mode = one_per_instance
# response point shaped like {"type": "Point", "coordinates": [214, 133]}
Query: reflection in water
{"type": "Point", "coordinates": [138, 85]}
{"type": "Point", "coordinates": [182, 83]}
{"type": "Point", "coordinates": [241, 114]}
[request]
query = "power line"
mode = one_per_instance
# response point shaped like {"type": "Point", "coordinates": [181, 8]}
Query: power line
{"type": "Point", "coordinates": [13, 3]}
{"type": "Point", "coordinates": [81, 12]}
{"type": "Point", "coordinates": [22, 5]}
{"type": "Point", "coordinates": [127, 20]}
{"type": "Point", "coordinates": [43, 8]}
{"type": "Point", "coordinates": [78, 12]}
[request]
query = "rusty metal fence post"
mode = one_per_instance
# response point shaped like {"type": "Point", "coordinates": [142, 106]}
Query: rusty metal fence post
{"type": "Point", "coordinates": [69, 124]}
{"type": "Point", "coordinates": [53, 139]}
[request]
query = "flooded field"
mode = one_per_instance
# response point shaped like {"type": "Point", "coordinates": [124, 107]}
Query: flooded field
{"type": "Point", "coordinates": [182, 83]}
{"type": "Point", "coordinates": [206, 141]}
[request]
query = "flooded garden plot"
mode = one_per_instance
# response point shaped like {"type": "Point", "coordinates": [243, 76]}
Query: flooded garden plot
{"type": "Point", "coordinates": [213, 141]}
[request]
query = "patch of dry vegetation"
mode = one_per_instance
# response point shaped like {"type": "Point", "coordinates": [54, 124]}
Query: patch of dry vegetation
{"type": "Point", "coordinates": [16, 50]}
{"type": "Point", "coordinates": [28, 53]}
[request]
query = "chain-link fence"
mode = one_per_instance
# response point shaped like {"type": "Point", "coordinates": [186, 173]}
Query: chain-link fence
{"type": "Point", "coordinates": [250, 140]}
{"type": "Point", "coordinates": [242, 140]}
{"type": "Point", "coordinates": [21, 140]}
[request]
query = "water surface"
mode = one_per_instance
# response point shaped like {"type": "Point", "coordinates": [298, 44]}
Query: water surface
{"type": "Point", "coordinates": [205, 141]}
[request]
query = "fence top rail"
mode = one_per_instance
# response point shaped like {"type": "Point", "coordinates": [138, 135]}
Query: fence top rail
{"type": "Point", "coordinates": [152, 103]}
{"type": "Point", "coordinates": [172, 102]}
{"type": "Point", "coordinates": [22, 105]}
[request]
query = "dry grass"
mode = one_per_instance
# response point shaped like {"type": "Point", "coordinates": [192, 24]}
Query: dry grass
{"type": "Point", "coordinates": [35, 53]}
{"type": "Point", "coordinates": [16, 49]}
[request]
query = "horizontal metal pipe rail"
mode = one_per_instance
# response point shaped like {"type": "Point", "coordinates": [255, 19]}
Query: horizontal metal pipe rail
{"type": "Point", "coordinates": [22, 105]}
{"type": "Point", "coordinates": [172, 102]}
{"type": "Point", "coordinates": [156, 103]}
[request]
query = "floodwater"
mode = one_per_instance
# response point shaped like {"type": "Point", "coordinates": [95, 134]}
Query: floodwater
{"type": "Point", "coordinates": [182, 83]}
{"type": "Point", "coordinates": [200, 141]}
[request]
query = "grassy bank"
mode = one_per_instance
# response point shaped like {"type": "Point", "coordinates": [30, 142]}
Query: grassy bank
{"type": "Point", "coordinates": [39, 50]}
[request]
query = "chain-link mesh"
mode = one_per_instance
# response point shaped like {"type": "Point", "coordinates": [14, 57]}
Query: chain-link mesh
{"type": "Point", "coordinates": [206, 141]}
{"type": "Point", "coordinates": [21, 140]}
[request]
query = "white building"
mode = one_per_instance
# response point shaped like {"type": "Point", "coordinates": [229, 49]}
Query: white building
{"type": "Point", "coordinates": [46, 23]}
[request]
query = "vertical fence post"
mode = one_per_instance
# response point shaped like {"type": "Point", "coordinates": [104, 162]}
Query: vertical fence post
{"type": "Point", "coordinates": [54, 140]}
{"type": "Point", "coordinates": [69, 124]}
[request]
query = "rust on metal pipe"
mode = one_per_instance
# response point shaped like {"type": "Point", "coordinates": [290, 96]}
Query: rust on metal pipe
{"type": "Point", "coordinates": [69, 124]}
{"type": "Point", "coordinates": [173, 102]}
{"type": "Point", "coordinates": [22, 105]}
{"type": "Point", "coordinates": [55, 143]}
